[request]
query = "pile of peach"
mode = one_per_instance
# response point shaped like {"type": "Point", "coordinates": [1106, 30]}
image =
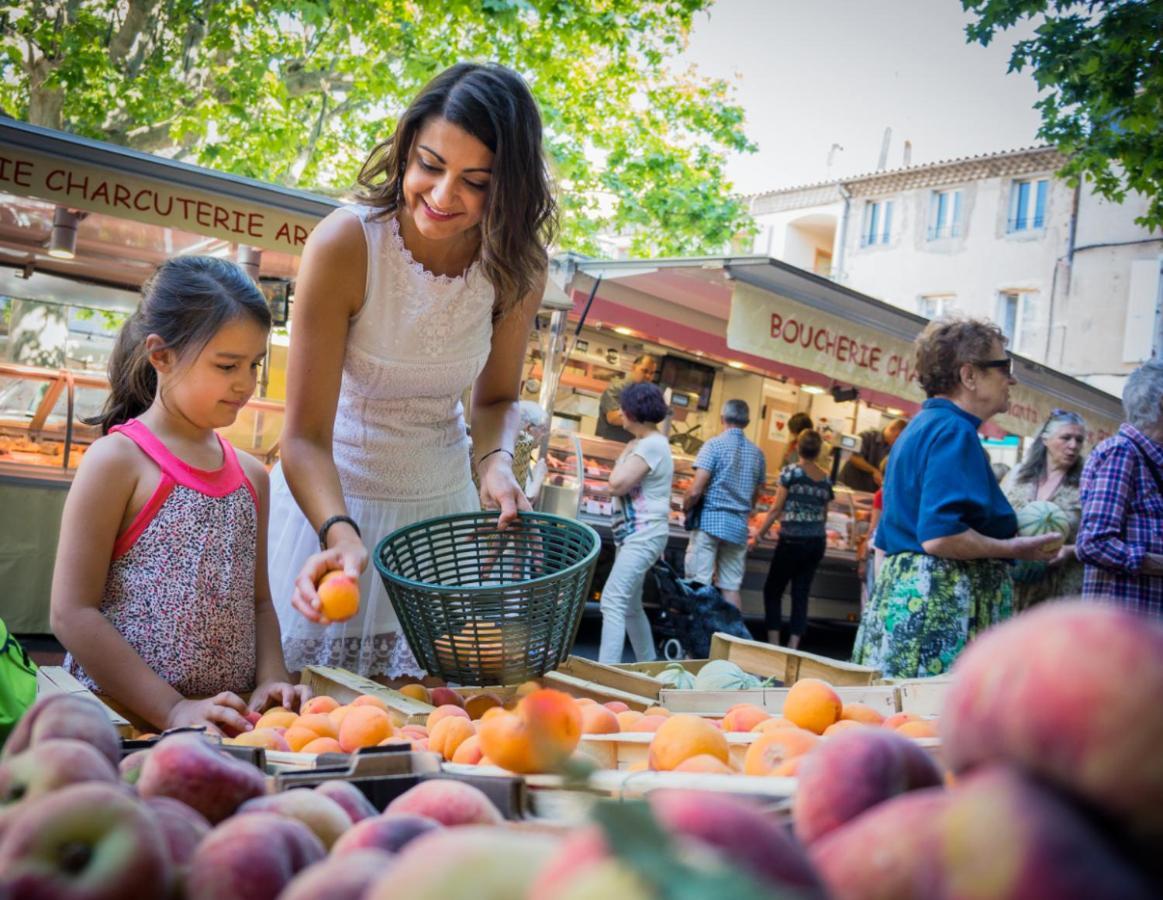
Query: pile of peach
{"type": "Point", "coordinates": [183, 819]}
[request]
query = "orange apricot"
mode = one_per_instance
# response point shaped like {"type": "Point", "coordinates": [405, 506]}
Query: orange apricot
{"type": "Point", "coordinates": [812, 704]}
{"type": "Point", "coordinates": [321, 704]}
{"type": "Point", "coordinates": [364, 726]}
{"type": "Point", "coordinates": [924, 728]}
{"type": "Point", "coordinates": [323, 745]}
{"type": "Point", "coordinates": [649, 723]}
{"type": "Point", "coordinates": [656, 711]}
{"type": "Point", "coordinates": [469, 752]}
{"type": "Point", "coordinates": [599, 720]}
{"type": "Point", "coordinates": [843, 725]}
{"type": "Point", "coordinates": [478, 704]}
{"type": "Point", "coordinates": [276, 718]}
{"type": "Point", "coordinates": [773, 747]}
{"type": "Point", "coordinates": [448, 734]}
{"type": "Point", "coordinates": [684, 736]}
{"type": "Point", "coordinates": [616, 706]}
{"type": "Point", "coordinates": [860, 712]}
{"type": "Point", "coordinates": [628, 719]}
{"type": "Point", "coordinates": [417, 692]}
{"type": "Point", "coordinates": [443, 712]}
{"type": "Point", "coordinates": [744, 717]}
{"type": "Point", "coordinates": [539, 736]}
{"type": "Point", "coordinates": [338, 596]}
{"type": "Point", "coordinates": [896, 720]}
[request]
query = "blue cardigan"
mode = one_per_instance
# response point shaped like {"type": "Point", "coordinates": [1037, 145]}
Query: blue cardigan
{"type": "Point", "coordinates": [939, 483]}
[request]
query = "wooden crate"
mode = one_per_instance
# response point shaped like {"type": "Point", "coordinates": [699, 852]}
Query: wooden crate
{"type": "Point", "coordinates": [57, 680]}
{"type": "Point", "coordinates": [787, 665]}
{"type": "Point", "coordinates": [882, 698]}
{"type": "Point", "coordinates": [923, 696]}
{"type": "Point", "coordinates": [585, 678]}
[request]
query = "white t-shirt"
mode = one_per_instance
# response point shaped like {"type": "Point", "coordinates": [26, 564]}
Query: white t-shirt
{"type": "Point", "coordinates": [646, 506]}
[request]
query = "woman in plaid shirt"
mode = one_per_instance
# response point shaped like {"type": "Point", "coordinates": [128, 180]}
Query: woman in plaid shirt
{"type": "Point", "coordinates": [1121, 538]}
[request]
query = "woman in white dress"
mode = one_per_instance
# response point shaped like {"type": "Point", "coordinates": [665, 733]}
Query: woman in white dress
{"type": "Point", "coordinates": [400, 305]}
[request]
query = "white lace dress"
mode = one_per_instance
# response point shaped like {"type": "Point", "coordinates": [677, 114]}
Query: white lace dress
{"type": "Point", "coordinates": [399, 441]}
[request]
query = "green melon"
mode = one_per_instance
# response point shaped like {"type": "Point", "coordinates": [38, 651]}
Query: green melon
{"type": "Point", "coordinates": [1042, 517]}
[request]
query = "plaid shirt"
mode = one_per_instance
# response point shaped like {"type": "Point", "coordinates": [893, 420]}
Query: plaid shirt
{"type": "Point", "coordinates": [1122, 520]}
{"type": "Point", "coordinates": [737, 468]}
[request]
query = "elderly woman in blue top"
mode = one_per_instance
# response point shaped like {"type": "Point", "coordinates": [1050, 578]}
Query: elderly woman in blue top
{"type": "Point", "coordinates": [947, 527]}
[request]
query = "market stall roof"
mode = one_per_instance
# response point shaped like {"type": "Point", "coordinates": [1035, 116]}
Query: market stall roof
{"type": "Point", "coordinates": [784, 321]}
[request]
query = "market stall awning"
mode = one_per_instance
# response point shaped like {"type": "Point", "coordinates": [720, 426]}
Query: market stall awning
{"type": "Point", "coordinates": [787, 322]}
{"type": "Point", "coordinates": [104, 178]}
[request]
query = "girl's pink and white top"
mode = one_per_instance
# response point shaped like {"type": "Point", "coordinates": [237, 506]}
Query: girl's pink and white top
{"type": "Point", "coordinates": [180, 587]}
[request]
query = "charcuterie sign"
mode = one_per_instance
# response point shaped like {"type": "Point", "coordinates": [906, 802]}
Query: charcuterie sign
{"type": "Point", "coordinates": [151, 200]}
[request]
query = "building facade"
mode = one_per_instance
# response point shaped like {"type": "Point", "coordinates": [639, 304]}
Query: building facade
{"type": "Point", "coordinates": [1069, 277]}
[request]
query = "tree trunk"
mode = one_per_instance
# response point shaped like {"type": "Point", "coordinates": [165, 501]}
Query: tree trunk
{"type": "Point", "coordinates": [45, 104]}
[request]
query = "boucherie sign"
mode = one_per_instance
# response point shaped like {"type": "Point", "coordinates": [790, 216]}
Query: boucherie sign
{"type": "Point", "coordinates": [80, 186]}
{"type": "Point", "coordinates": [771, 326]}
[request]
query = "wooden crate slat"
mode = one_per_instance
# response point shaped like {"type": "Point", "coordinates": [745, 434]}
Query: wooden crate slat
{"type": "Point", "coordinates": [628, 680]}
{"type": "Point", "coordinates": [923, 696]}
{"type": "Point", "coordinates": [58, 680]}
{"type": "Point", "coordinates": [789, 666]}
{"type": "Point", "coordinates": [580, 687]}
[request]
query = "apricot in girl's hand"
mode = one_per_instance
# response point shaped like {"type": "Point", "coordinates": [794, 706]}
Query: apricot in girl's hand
{"type": "Point", "coordinates": [338, 596]}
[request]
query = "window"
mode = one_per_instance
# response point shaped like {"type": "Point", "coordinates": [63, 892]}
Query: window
{"type": "Point", "coordinates": [1016, 315]}
{"type": "Point", "coordinates": [877, 223]}
{"type": "Point", "coordinates": [934, 306]}
{"type": "Point", "coordinates": [944, 215]}
{"type": "Point", "coordinates": [1028, 205]}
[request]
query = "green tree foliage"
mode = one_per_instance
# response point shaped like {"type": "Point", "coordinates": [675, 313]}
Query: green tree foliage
{"type": "Point", "coordinates": [298, 91]}
{"type": "Point", "coordinates": [1100, 66]}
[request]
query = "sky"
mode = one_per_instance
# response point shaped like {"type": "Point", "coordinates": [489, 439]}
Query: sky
{"type": "Point", "coordinates": [810, 73]}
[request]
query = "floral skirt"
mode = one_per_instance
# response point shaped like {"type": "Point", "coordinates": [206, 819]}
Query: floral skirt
{"type": "Point", "coordinates": [924, 609]}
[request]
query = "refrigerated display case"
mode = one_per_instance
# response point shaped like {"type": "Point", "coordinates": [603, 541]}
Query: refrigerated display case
{"type": "Point", "coordinates": [42, 440]}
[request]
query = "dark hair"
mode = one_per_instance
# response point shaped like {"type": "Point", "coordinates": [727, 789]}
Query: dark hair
{"type": "Point", "coordinates": [642, 402]}
{"type": "Point", "coordinates": [494, 105]}
{"type": "Point", "coordinates": [737, 413]}
{"type": "Point", "coordinates": [184, 302]}
{"type": "Point", "coordinates": [644, 356]}
{"type": "Point", "coordinates": [946, 345]}
{"type": "Point", "coordinates": [799, 422]}
{"type": "Point", "coordinates": [809, 444]}
{"type": "Point", "coordinates": [1033, 467]}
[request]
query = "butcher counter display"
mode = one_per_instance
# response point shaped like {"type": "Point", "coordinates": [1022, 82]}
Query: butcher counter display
{"type": "Point", "coordinates": [835, 590]}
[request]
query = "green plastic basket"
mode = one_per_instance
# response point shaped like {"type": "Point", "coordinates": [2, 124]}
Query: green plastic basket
{"type": "Point", "coordinates": [481, 606]}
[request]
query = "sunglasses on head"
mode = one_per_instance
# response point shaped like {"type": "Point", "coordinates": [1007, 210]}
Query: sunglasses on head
{"type": "Point", "coordinates": [1006, 365]}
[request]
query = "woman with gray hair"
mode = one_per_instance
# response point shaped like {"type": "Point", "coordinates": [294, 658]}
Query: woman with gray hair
{"type": "Point", "coordinates": [1121, 537]}
{"type": "Point", "coordinates": [1050, 472]}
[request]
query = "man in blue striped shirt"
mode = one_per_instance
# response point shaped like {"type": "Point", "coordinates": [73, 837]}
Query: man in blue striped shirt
{"type": "Point", "coordinates": [729, 473]}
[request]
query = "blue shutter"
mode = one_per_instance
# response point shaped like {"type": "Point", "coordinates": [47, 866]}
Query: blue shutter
{"type": "Point", "coordinates": [887, 221]}
{"type": "Point", "coordinates": [955, 225]}
{"type": "Point", "coordinates": [1040, 203]}
{"type": "Point", "coordinates": [872, 214]}
{"type": "Point", "coordinates": [1022, 219]}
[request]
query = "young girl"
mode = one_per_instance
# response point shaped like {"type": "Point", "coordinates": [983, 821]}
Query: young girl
{"type": "Point", "coordinates": [160, 589]}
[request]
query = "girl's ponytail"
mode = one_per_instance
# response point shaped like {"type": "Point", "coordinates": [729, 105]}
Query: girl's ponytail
{"type": "Point", "coordinates": [132, 379]}
{"type": "Point", "coordinates": [184, 303]}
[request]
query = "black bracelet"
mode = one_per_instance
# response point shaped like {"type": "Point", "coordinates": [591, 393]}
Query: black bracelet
{"type": "Point", "coordinates": [491, 452]}
{"type": "Point", "coordinates": [326, 526]}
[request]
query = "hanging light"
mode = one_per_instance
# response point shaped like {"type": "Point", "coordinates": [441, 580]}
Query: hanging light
{"type": "Point", "coordinates": [250, 259]}
{"type": "Point", "coordinates": [62, 243]}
